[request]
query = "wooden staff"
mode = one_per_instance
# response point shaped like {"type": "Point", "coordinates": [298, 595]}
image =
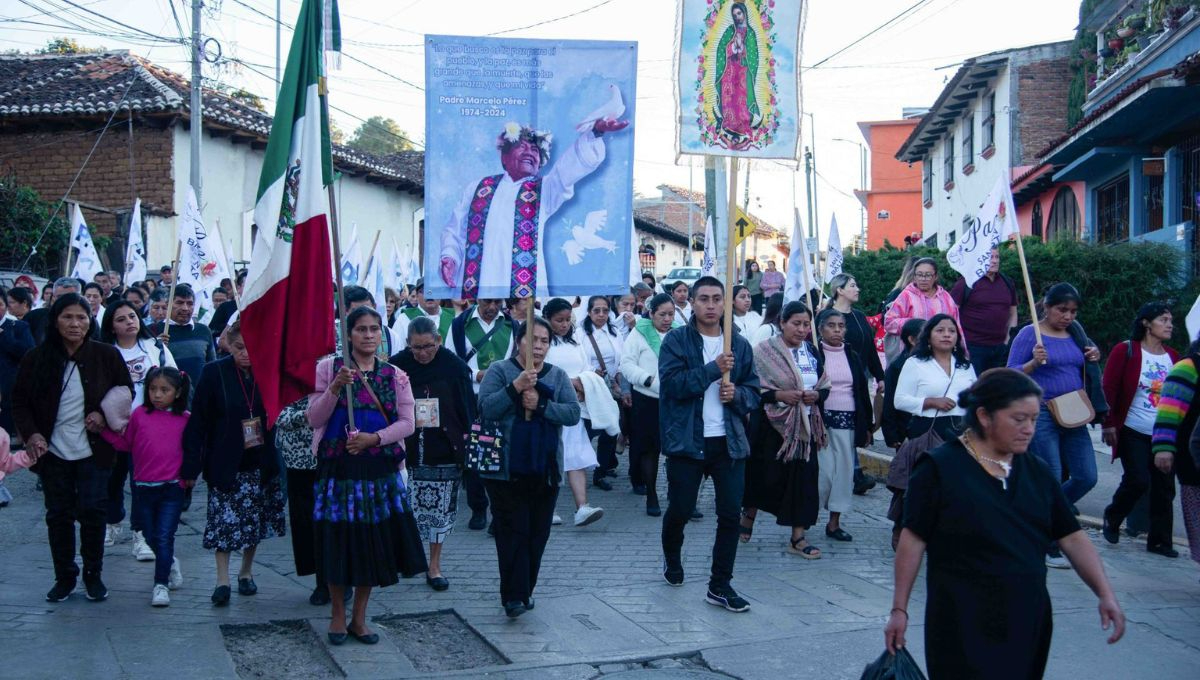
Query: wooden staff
{"type": "Point", "coordinates": [529, 344]}
{"type": "Point", "coordinates": [174, 282]}
{"type": "Point", "coordinates": [1037, 330]}
{"type": "Point", "coordinates": [730, 257]}
{"type": "Point", "coordinates": [371, 257]}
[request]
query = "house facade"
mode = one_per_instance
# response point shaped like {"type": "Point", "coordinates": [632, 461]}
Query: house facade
{"type": "Point", "coordinates": [893, 201]}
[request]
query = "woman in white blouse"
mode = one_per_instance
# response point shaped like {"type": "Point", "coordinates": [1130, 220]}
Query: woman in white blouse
{"type": "Point", "coordinates": [602, 345]}
{"type": "Point", "coordinates": [639, 365]}
{"type": "Point", "coordinates": [746, 319]}
{"type": "Point", "coordinates": [931, 379]}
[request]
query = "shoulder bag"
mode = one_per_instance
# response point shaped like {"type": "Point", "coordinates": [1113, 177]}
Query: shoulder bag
{"type": "Point", "coordinates": [1073, 409]}
{"type": "Point", "coordinates": [484, 447]}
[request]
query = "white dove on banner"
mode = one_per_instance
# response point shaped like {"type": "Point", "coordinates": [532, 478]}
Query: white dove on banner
{"type": "Point", "coordinates": [610, 110]}
{"type": "Point", "coordinates": [586, 237]}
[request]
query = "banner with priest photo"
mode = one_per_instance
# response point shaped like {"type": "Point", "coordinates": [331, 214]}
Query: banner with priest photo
{"type": "Point", "coordinates": [528, 166]}
{"type": "Point", "coordinates": [737, 88]}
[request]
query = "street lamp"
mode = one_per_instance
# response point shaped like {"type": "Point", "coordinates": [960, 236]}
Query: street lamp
{"type": "Point", "coordinates": [862, 175]}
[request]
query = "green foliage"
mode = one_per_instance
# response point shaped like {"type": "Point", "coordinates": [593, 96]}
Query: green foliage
{"type": "Point", "coordinates": [23, 215]}
{"type": "Point", "coordinates": [379, 135]}
{"type": "Point", "coordinates": [249, 99]}
{"type": "Point", "coordinates": [1114, 280]}
{"type": "Point", "coordinates": [66, 45]}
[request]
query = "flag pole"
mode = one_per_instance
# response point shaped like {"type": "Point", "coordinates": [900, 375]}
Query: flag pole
{"type": "Point", "coordinates": [529, 343]}
{"type": "Point", "coordinates": [1037, 330]}
{"type": "Point", "coordinates": [237, 299]}
{"type": "Point", "coordinates": [730, 258]}
{"type": "Point", "coordinates": [371, 257]}
{"type": "Point", "coordinates": [174, 282]}
{"type": "Point", "coordinates": [339, 297]}
{"type": "Point", "coordinates": [70, 245]}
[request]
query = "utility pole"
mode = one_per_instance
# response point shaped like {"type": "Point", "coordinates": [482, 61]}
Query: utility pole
{"type": "Point", "coordinates": [746, 208]}
{"type": "Point", "coordinates": [195, 109]}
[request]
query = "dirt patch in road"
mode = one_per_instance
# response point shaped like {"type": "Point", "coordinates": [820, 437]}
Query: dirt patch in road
{"type": "Point", "coordinates": [279, 649]}
{"type": "Point", "coordinates": [439, 641]}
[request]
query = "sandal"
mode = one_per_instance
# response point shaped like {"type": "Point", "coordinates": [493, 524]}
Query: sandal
{"type": "Point", "coordinates": [808, 552]}
{"type": "Point", "coordinates": [745, 532]}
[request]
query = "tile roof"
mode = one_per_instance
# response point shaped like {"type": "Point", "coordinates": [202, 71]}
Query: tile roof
{"type": "Point", "coordinates": [97, 84]}
{"type": "Point", "coordinates": [761, 227]}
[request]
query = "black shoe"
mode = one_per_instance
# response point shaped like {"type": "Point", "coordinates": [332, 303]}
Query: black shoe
{"type": "Point", "coordinates": [438, 583]}
{"type": "Point", "coordinates": [696, 515]}
{"type": "Point", "coordinates": [478, 521]}
{"type": "Point", "coordinates": [727, 598]}
{"type": "Point", "coordinates": [247, 586]}
{"type": "Point", "coordinates": [319, 597]}
{"type": "Point", "coordinates": [365, 638]}
{"type": "Point", "coordinates": [838, 534]}
{"type": "Point", "coordinates": [1074, 510]}
{"type": "Point", "coordinates": [337, 639]}
{"type": "Point", "coordinates": [220, 596]}
{"type": "Point", "coordinates": [529, 605]}
{"type": "Point", "coordinates": [96, 590]}
{"type": "Point", "coordinates": [1112, 534]}
{"type": "Point", "coordinates": [611, 473]}
{"type": "Point", "coordinates": [601, 483]}
{"type": "Point", "coordinates": [654, 511]}
{"type": "Point", "coordinates": [639, 489]}
{"type": "Point", "coordinates": [61, 590]}
{"type": "Point", "coordinates": [514, 609]}
{"type": "Point", "coordinates": [1164, 549]}
{"type": "Point", "coordinates": [492, 528]}
{"type": "Point", "coordinates": [673, 573]}
{"type": "Point", "coordinates": [862, 483]}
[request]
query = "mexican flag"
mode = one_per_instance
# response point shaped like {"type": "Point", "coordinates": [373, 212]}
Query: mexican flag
{"type": "Point", "coordinates": [287, 308]}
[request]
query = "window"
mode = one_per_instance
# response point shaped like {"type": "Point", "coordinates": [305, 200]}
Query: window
{"type": "Point", "coordinates": [951, 238]}
{"type": "Point", "coordinates": [927, 180]}
{"type": "Point", "coordinates": [1036, 227]}
{"type": "Point", "coordinates": [989, 121]}
{"type": "Point", "coordinates": [948, 162]}
{"type": "Point", "coordinates": [1112, 211]}
{"type": "Point", "coordinates": [1064, 215]}
{"type": "Point", "coordinates": [968, 144]}
{"type": "Point", "coordinates": [1152, 198]}
{"type": "Point", "coordinates": [1188, 157]}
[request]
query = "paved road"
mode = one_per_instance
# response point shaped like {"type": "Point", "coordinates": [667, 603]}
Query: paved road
{"type": "Point", "coordinates": [601, 609]}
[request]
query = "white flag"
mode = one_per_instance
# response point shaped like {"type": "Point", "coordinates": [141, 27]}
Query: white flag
{"type": "Point", "coordinates": [414, 267]}
{"type": "Point", "coordinates": [710, 260]}
{"type": "Point", "coordinates": [135, 248]}
{"type": "Point", "coordinates": [799, 272]}
{"type": "Point", "coordinates": [997, 221]}
{"type": "Point", "coordinates": [352, 259]}
{"type": "Point", "coordinates": [202, 262]}
{"type": "Point", "coordinates": [375, 281]}
{"type": "Point", "coordinates": [833, 252]}
{"type": "Point", "coordinates": [87, 265]}
{"type": "Point", "coordinates": [396, 277]}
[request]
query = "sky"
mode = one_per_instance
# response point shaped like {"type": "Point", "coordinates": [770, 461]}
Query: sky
{"type": "Point", "coordinates": [902, 65]}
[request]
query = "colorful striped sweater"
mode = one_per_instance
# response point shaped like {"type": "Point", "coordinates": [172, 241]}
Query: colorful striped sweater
{"type": "Point", "coordinates": [1175, 420]}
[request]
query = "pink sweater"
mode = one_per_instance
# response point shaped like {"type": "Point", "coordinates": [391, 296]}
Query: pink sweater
{"type": "Point", "coordinates": [155, 439]}
{"type": "Point", "coordinates": [321, 405]}
{"type": "Point", "coordinates": [913, 304]}
{"type": "Point", "coordinates": [11, 462]}
{"type": "Point", "coordinates": [841, 379]}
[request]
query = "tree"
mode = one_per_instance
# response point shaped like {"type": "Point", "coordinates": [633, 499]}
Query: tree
{"type": "Point", "coordinates": [23, 216]}
{"type": "Point", "coordinates": [66, 45]}
{"type": "Point", "coordinates": [379, 135]}
{"type": "Point", "coordinates": [249, 99]}
{"type": "Point", "coordinates": [336, 134]}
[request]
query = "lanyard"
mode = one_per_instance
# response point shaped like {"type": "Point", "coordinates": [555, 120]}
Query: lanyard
{"type": "Point", "coordinates": [249, 396]}
{"type": "Point", "coordinates": [67, 380]}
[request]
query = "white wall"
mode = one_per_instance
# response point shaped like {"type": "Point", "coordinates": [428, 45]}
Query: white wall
{"type": "Point", "coordinates": [668, 254]}
{"type": "Point", "coordinates": [946, 214]}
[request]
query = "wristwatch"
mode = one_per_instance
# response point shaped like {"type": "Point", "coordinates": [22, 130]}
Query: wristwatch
{"type": "Point", "coordinates": [649, 381]}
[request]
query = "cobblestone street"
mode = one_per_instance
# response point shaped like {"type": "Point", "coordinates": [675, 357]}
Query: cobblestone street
{"type": "Point", "coordinates": [602, 608]}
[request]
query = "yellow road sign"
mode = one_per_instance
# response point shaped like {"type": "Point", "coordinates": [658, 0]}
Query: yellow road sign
{"type": "Point", "coordinates": [742, 226]}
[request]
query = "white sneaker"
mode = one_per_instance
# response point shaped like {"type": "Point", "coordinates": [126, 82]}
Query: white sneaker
{"type": "Point", "coordinates": [587, 514]}
{"type": "Point", "coordinates": [161, 596]}
{"type": "Point", "coordinates": [111, 534]}
{"type": "Point", "coordinates": [141, 550]}
{"type": "Point", "coordinates": [176, 578]}
{"type": "Point", "coordinates": [556, 520]}
{"type": "Point", "coordinates": [1057, 562]}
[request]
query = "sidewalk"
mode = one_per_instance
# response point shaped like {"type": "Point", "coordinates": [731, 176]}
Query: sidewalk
{"type": "Point", "coordinates": [601, 609]}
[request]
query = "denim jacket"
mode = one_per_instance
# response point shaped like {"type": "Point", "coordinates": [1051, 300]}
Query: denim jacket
{"type": "Point", "coordinates": [683, 378]}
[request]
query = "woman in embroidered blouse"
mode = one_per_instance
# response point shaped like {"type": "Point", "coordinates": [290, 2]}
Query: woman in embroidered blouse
{"type": "Point", "coordinates": [847, 415]}
{"type": "Point", "coordinates": [921, 299]}
{"type": "Point", "coordinates": [365, 531]}
{"type": "Point", "coordinates": [746, 319]}
{"type": "Point", "coordinates": [935, 371]}
{"type": "Point", "coordinates": [603, 350]}
{"type": "Point", "coordinates": [639, 364]}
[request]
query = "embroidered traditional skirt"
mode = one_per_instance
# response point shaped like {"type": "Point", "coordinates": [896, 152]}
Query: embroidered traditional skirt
{"type": "Point", "coordinates": [244, 515]}
{"type": "Point", "coordinates": [363, 523]}
{"type": "Point", "coordinates": [434, 492]}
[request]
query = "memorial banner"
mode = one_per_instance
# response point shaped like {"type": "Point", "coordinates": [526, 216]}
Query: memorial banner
{"type": "Point", "coordinates": [528, 167]}
{"type": "Point", "coordinates": [737, 87]}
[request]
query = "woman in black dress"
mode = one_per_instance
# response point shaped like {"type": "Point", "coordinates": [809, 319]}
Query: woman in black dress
{"type": "Point", "coordinates": [987, 514]}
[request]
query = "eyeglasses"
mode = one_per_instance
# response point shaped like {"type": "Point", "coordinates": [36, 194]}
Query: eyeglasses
{"type": "Point", "coordinates": [422, 348]}
{"type": "Point", "coordinates": [923, 275]}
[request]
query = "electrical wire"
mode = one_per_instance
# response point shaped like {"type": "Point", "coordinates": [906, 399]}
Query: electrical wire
{"type": "Point", "coordinates": [899, 17]}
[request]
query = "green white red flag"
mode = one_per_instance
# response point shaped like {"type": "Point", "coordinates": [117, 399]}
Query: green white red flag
{"type": "Point", "coordinates": [287, 309]}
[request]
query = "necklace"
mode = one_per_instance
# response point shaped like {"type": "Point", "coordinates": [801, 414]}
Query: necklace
{"type": "Point", "coordinates": [1005, 467]}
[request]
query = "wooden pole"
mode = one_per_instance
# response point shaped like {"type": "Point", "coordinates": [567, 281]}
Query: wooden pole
{"type": "Point", "coordinates": [730, 261]}
{"type": "Point", "coordinates": [174, 282]}
{"type": "Point", "coordinates": [1037, 330]}
{"type": "Point", "coordinates": [237, 299]}
{"type": "Point", "coordinates": [371, 257]}
{"type": "Point", "coordinates": [339, 298]}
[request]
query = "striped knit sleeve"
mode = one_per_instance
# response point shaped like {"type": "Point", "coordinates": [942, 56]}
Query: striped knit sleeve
{"type": "Point", "coordinates": [1177, 393]}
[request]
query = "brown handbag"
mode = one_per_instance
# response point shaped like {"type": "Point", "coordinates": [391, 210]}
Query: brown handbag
{"type": "Point", "coordinates": [1073, 409]}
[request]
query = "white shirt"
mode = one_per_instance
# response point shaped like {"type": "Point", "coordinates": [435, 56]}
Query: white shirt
{"type": "Point", "coordinates": [139, 359]}
{"type": "Point", "coordinates": [714, 410]}
{"type": "Point", "coordinates": [69, 439]}
{"type": "Point", "coordinates": [558, 186]}
{"type": "Point", "coordinates": [400, 328]}
{"type": "Point", "coordinates": [765, 331]}
{"type": "Point", "coordinates": [1144, 407]}
{"type": "Point", "coordinates": [610, 349]}
{"type": "Point", "coordinates": [922, 379]}
{"type": "Point", "coordinates": [683, 313]}
{"type": "Point", "coordinates": [748, 323]}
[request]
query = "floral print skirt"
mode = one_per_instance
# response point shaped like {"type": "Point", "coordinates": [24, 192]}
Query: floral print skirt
{"type": "Point", "coordinates": [245, 515]}
{"type": "Point", "coordinates": [365, 533]}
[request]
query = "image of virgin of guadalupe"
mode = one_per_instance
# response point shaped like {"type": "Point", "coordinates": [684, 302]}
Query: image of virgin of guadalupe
{"type": "Point", "coordinates": [737, 108]}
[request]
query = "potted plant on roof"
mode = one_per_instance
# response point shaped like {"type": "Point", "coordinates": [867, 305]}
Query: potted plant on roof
{"type": "Point", "coordinates": [1136, 21]}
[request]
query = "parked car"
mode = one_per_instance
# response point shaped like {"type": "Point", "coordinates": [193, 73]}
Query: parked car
{"type": "Point", "coordinates": [686, 274]}
{"type": "Point", "coordinates": [8, 277]}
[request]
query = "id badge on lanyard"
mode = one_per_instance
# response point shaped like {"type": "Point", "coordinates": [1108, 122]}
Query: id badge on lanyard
{"type": "Point", "coordinates": [252, 433]}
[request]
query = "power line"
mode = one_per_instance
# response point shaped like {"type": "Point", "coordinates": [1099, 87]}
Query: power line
{"type": "Point", "coordinates": [889, 22]}
{"type": "Point", "coordinates": [555, 19]}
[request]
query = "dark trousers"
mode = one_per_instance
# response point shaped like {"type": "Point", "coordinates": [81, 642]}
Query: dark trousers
{"type": "Point", "coordinates": [477, 497]}
{"type": "Point", "coordinates": [756, 302]}
{"type": "Point", "coordinates": [645, 443]}
{"type": "Point", "coordinates": [74, 491]}
{"type": "Point", "coordinates": [606, 449]}
{"type": "Point", "coordinates": [159, 508]}
{"type": "Point", "coordinates": [984, 357]}
{"type": "Point", "coordinates": [1141, 476]}
{"type": "Point", "coordinates": [683, 485]}
{"type": "Point", "coordinates": [115, 504]}
{"type": "Point", "coordinates": [300, 515]}
{"type": "Point", "coordinates": [635, 463]}
{"type": "Point", "coordinates": [522, 510]}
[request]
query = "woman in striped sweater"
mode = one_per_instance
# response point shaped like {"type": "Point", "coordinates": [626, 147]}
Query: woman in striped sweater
{"type": "Point", "coordinates": [1173, 430]}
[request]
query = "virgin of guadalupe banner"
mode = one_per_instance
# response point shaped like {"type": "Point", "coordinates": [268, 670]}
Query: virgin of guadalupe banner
{"type": "Point", "coordinates": [738, 88]}
{"type": "Point", "coordinates": [528, 166]}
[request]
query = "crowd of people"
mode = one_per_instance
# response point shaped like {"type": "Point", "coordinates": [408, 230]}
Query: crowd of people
{"type": "Point", "coordinates": [105, 385]}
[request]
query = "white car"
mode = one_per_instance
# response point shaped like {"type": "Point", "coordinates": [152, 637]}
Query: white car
{"type": "Point", "coordinates": [686, 274]}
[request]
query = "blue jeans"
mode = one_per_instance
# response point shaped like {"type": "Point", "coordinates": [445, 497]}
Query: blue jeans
{"type": "Point", "coordinates": [159, 508]}
{"type": "Point", "coordinates": [1056, 445]}
{"type": "Point", "coordinates": [984, 357]}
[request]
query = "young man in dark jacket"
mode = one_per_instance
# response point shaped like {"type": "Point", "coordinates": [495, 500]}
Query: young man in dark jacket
{"type": "Point", "coordinates": [703, 423]}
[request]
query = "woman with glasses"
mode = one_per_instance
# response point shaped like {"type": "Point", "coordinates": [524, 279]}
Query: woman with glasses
{"type": "Point", "coordinates": [922, 299]}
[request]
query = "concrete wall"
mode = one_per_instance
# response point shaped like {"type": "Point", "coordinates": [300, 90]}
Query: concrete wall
{"type": "Point", "coordinates": [895, 186]}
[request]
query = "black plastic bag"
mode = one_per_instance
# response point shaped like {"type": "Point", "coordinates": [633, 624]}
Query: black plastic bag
{"type": "Point", "coordinates": [898, 666]}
